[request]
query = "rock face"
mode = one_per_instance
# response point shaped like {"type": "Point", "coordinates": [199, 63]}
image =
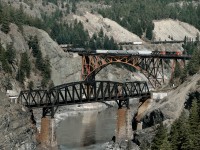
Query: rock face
{"type": "Point", "coordinates": [125, 145]}
{"type": "Point", "coordinates": [94, 23]}
{"type": "Point", "coordinates": [170, 29]}
{"type": "Point", "coordinates": [16, 129]}
{"type": "Point", "coordinates": [144, 137]}
{"type": "Point", "coordinates": [34, 8]}
{"type": "Point", "coordinates": [166, 110]}
{"type": "Point", "coordinates": [171, 107]}
{"type": "Point", "coordinates": [184, 3]}
{"type": "Point", "coordinates": [64, 68]}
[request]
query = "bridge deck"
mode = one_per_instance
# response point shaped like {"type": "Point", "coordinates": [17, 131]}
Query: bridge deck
{"type": "Point", "coordinates": [83, 92]}
{"type": "Point", "coordinates": [186, 57]}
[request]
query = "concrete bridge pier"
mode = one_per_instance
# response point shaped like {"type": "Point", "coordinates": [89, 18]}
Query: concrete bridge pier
{"type": "Point", "coordinates": [47, 134]}
{"type": "Point", "coordinates": [124, 128]}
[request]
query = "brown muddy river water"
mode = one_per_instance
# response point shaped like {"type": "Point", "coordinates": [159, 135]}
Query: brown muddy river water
{"type": "Point", "coordinates": [87, 130]}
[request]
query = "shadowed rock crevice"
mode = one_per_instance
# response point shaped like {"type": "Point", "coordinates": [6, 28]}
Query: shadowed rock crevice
{"type": "Point", "coordinates": [153, 118]}
{"type": "Point", "coordinates": [192, 96]}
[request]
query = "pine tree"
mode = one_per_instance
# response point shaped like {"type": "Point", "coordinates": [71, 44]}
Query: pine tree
{"type": "Point", "coordinates": [74, 7]}
{"type": "Point", "coordinates": [175, 132]}
{"type": "Point", "coordinates": [149, 31]}
{"type": "Point", "coordinates": [177, 70]}
{"type": "Point", "coordinates": [5, 22]}
{"type": "Point", "coordinates": [99, 43]}
{"type": "Point", "coordinates": [197, 38]}
{"type": "Point", "coordinates": [3, 58]}
{"type": "Point", "coordinates": [184, 75]}
{"type": "Point", "coordinates": [165, 145]}
{"type": "Point", "coordinates": [20, 75]}
{"type": "Point", "coordinates": [25, 65]}
{"type": "Point", "coordinates": [7, 83]}
{"type": "Point", "coordinates": [92, 44]}
{"type": "Point", "coordinates": [47, 68]}
{"type": "Point", "coordinates": [185, 137]}
{"type": "Point", "coordinates": [30, 85]}
{"type": "Point", "coordinates": [24, 68]}
{"type": "Point", "coordinates": [194, 121]}
{"type": "Point", "coordinates": [194, 63]}
{"type": "Point", "coordinates": [160, 137]}
{"type": "Point", "coordinates": [19, 17]}
{"type": "Point", "coordinates": [101, 34]}
{"type": "Point", "coordinates": [180, 136]}
{"type": "Point", "coordinates": [33, 44]}
{"type": "Point", "coordinates": [1, 12]}
{"type": "Point", "coordinates": [197, 138]}
{"type": "Point", "coordinates": [106, 44]}
{"type": "Point", "coordinates": [194, 116]}
{"type": "Point", "coordinates": [10, 53]}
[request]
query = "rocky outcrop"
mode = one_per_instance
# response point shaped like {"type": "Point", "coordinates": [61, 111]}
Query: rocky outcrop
{"type": "Point", "coordinates": [34, 8]}
{"type": "Point", "coordinates": [64, 68]}
{"type": "Point", "coordinates": [16, 129]}
{"type": "Point", "coordinates": [171, 107]}
{"type": "Point", "coordinates": [95, 22]}
{"type": "Point", "coordinates": [144, 137]}
{"type": "Point", "coordinates": [170, 30]}
{"type": "Point", "coordinates": [125, 145]}
{"type": "Point", "coordinates": [184, 3]}
{"type": "Point", "coordinates": [166, 110]}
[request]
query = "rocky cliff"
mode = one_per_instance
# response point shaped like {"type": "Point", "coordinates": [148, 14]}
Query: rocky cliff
{"type": "Point", "coordinates": [95, 22]}
{"type": "Point", "coordinates": [64, 68]}
{"type": "Point", "coordinates": [170, 30]}
{"type": "Point", "coordinates": [167, 110]}
{"type": "Point", "coordinates": [16, 129]}
{"type": "Point", "coordinates": [171, 107]}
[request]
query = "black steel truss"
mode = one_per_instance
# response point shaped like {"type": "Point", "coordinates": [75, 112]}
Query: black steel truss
{"type": "Point", "coordinates": [83, 92]}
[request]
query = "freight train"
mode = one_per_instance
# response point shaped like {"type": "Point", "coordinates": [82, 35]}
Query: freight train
{"type": "Point", "coordinates": [125, 52]}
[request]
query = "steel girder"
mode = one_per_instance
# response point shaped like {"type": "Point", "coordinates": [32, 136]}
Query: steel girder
{"type": "Point", "coordinates": [151, 67]}
{"type": "Point", "coordinates": [83, 92]}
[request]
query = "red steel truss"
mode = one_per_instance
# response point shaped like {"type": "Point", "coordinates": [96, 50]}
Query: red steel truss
{"type": "Point", "coordinates": [151, 67]}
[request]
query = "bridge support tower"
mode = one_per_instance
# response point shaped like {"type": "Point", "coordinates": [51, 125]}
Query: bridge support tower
{"type": "Point", "coordinates": [47, 133]}
{"type": "Point", "coordinates": [123, 117]}
{"type": "Point", "coordinates": [123, 130]}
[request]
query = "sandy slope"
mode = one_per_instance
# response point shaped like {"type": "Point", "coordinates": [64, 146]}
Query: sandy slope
{"type": "Point", "coordinates": [94, 22]}
{"type": "Point", "coordinates": [164, 29]}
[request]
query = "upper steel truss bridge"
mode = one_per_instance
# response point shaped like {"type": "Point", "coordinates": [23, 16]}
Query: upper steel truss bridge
{"type": "Point", "coordinates": [151, 65]}
{"type": "Point", "coordinates": [83, 92]}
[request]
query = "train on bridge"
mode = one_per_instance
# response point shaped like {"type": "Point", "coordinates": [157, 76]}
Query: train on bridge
{"type": "Point", "coordinates": [125, 52]}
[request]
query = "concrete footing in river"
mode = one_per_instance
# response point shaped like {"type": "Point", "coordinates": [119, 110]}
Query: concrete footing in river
{"type": "Point", "coordinates": [47, 137]}
{"type": "Point", "coordinates": [124, 128]}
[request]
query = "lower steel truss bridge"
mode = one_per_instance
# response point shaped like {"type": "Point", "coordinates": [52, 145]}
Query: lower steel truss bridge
{"type": "Point", "coordinates": [83, 92]}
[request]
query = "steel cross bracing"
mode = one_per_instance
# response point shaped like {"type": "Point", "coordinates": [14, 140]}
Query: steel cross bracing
{"type": "Point", "coordinates": [151, 66]}
{"type": "Point", "coordinates": [83, 92]}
